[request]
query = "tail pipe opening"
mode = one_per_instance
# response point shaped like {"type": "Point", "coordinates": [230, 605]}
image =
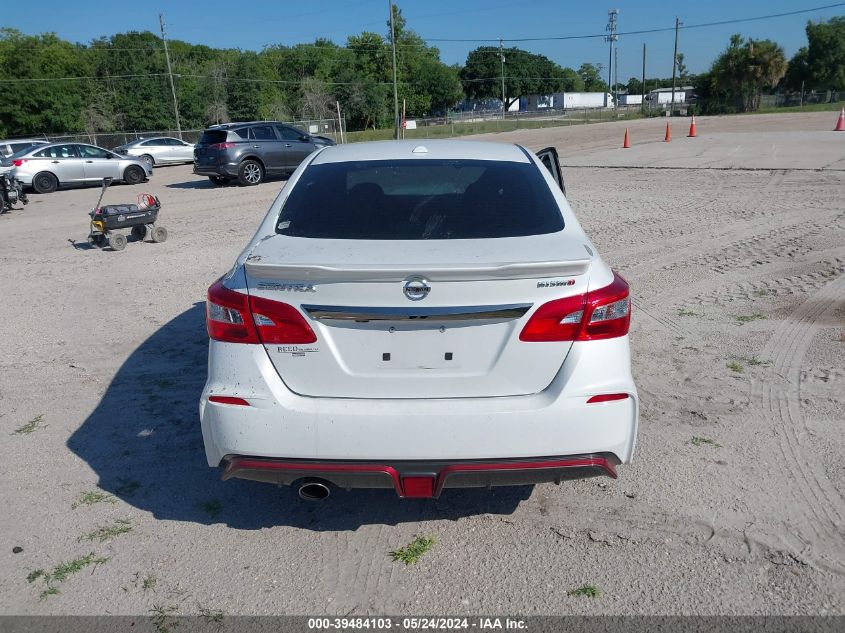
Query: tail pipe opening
{"type": "Point", "coordinates": [314, 490]}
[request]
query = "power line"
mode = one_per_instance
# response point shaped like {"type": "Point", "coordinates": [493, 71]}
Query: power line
{"type": "Point", "coordinates": [642, 31]}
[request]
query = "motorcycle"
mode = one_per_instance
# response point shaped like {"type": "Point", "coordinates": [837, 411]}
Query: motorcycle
{"type": "Point", "coordinates": [11, 192]}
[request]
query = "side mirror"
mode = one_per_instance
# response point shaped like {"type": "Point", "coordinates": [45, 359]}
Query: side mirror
{"type": "Point", "coordinates": [306, 138]}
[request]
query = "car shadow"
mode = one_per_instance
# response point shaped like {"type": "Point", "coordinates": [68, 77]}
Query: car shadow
{"type": "Point", "coordinates": [143, 441]}
{"type": "Point", "coordinates": [205, 183]}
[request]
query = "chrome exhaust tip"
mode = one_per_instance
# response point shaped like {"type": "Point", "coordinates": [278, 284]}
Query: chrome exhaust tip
{"type": "Point", "coordinates": [314, 490]}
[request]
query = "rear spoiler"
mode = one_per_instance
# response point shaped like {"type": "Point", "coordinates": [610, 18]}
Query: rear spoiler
{"type": "Point", "coordinates": [444, 272]}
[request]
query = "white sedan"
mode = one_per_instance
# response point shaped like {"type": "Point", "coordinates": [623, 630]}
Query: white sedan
{"type": "Point", "coordinates": [419, 316]}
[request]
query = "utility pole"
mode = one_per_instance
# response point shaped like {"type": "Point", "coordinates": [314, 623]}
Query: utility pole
{"type": "Point", "coordinates": [395, 89]}
{"type": "Point", "coordinates": [170, 73]}
{"type": "Point", "coordinates": [674, 65]}
{"type": "Point", "coordinates": [502, 58]}
{"type": "Point", "coordinates": [612, 15]}
{"type": "Point", "coordinates": [642, 101]}
{"type": "Point", "coordinates": [616, 74]}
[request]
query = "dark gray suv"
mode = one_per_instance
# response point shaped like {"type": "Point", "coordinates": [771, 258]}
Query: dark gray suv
{"type": "Point", "coordinates": [252, 151]}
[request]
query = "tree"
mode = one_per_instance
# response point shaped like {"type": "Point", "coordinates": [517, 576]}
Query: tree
{"type": "Point", "coordinates": [826, 54]}
{"type": "Point", "coordinates": [590, 74]}
{"type": "Point", "coordinates": [525, 74]}
{"type": "Point", "coordinates": [634, 86]}
{"type": "Point", "coordinates": [798, 70]}
{"type": "Point", "coordinates": [741, 73]}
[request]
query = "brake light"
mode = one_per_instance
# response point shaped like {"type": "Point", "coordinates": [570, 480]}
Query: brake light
{"type": "Point", "coordinates": [234, 317]}
{"type": "Point", "coordinates": [226, 145]}
{"type": "Point", "coordinates": [19, 161]}
{"type": "Point", "coordinates": [600, 314]}
{"type": "Point", "coordinates": [279, 322]}
{"type": "Point", "coordinates": [227, 316]}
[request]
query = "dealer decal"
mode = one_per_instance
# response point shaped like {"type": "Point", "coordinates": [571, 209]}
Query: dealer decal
{"type": "Point", "coordinates": [296, 350]}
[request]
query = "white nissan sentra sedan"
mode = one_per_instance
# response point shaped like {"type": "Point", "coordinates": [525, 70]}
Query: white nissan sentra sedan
{"type": "Point", "coordinates": [419, 315]}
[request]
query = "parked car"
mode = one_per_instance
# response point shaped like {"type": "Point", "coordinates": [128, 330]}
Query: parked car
{"type": "Point", "coordinates": [9, 147]}
{"type": "Point", "coordinates": [47, 167]}
{"type": "Point", "coordinates": [160, 150]}
{"type": "Point", "coordinates": [249, 152]}
{"type": "Point", "coordinates": [419, 316]}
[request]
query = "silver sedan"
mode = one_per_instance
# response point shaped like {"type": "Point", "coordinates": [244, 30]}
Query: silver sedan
{"type": "Point", "coordinates": [46, 167]}
{"type": "Point", "coordinates": [162, 150]}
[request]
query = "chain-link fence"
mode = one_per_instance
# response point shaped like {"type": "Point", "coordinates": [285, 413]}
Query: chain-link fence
{"type": "Point", "coordinates": [317, 127]}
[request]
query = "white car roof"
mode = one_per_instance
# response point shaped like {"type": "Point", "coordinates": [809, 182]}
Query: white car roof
{"type": "Point", "coordinates": [422, 149]}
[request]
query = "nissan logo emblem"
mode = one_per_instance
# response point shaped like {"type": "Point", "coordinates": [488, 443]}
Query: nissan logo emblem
{"type": "Point", "coordinates": [416, 288]}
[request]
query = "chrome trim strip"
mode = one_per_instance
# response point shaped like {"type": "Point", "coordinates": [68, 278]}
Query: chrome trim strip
{"type": "Point", "coordinates": [451, 313]}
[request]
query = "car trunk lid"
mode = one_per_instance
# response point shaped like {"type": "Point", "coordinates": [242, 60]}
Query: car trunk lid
{"type": "Point", "coordinates": [380, 334]}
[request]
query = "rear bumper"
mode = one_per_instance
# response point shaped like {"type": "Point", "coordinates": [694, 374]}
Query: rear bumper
{"type": "Point", "coordinates": [278, 425]}
{"type": "Point", "coordinates": [423, 479]}
{"type": "Point", "coordinates": [229, 170]}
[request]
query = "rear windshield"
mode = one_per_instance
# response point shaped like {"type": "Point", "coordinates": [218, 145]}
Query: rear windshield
{"type": "Point", "coordinates": [210, 137]}
{"type": "Point", "coordinates": [420, 200]}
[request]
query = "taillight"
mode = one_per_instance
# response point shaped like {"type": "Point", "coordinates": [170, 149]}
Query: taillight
{"type": "Point", "coordinates": [228, 317]}
{"type": "Point", "coordinates": [600, 314]}
{"type": "Point", "coordinates": [278, 322]}
{"type": "Point", "coordinates": [234, 317]}
{"type": "Point", "coordinates": [226, 145]}
{"type": "Point", "coordinates": [19, 161]}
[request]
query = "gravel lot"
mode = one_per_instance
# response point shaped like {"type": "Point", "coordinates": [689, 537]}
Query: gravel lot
{"type": "Point", "coordinates": [734, 244]}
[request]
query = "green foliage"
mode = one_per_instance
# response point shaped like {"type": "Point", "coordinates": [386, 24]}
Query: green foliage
{"type": "Point", "coordinates": [412, 553]}
{"type": "Point", "coordinates": [525, 74]}
{"type": "Point", "coordinates": [739, 75]}
{"type": "Point", "coordinates": [826, 54]}
{"type": "Point", "coordinates": [120, 82]}
{"type": "Point", "coordinates": [588, 591]}
{"type": "Point", "coordinates": [593, 82]}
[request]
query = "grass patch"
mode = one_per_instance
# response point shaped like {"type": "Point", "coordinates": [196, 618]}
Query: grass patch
{"type": "Point", "coordinates": [34, 424]}
{"type": "Point", "coordinates": [149, 583]}
{"type": "Point", "coordinates": [103, 534]}
{"type": "Point", "coordinates": [736, 366]}
{"type": "Point", "coordinates": [589, 591]}
{"type": "Point", "coordinates": [688, 313]}
{"type": "Point", "coordinates": [411, 554]}
{"type": "Point", "coordinates": [162, 618]}
{"type": "Point", "coordinates": [742, 319]}
{"type": "Point", "coordinates": [62, 572]}
{"type": "Point", "coordinates": [91, 497]}
{"type": "Point", "coordinates": [212, 507]}
{"type": "Point", "coordinates": [756, 362]}
{"type": "Point", "coordinates": [211, 616]}
{"type": "Point", "coordinates": [698, 441]}
{"type": "Point", "coordinates": [127, 487]}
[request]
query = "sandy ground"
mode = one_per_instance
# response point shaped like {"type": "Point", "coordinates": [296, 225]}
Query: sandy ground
{"type": "Point", "coordinates": [733, 504]}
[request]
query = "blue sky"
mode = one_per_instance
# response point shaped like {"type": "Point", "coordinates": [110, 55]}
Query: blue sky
{"type": "Point", "coordinates": [254, 24]}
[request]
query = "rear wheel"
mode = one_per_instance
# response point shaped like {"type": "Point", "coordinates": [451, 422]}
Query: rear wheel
{"type": "Point", "coordinates": [117, 241]}
{"type": "Point", "coordinates": [250, 173]}
{"type": "Point", "coordinates": [133, 175]}
{"type": "Point", "coordinates": [139, 232]}
{"type": "Point", "coordinates": [219, 180]}
{"type": "Point", "coordinates": [159, 234]}
{"type": "Point", "coordinates": [45, 182]}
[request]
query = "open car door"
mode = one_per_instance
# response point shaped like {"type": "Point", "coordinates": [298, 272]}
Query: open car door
{"type": "Point", "coordinates": [549, 158]}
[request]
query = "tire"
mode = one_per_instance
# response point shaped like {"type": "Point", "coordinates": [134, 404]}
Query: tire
{"type": "Point", "coordinates": [219, 180]}
{"type": "Point", "coordinates": [139, 232]}
{"type": "Point", "coordinates": [149, 159]}
{"type": "Point", "coordinates": [133, 175]}
{"type": "Point", "coordinates": [117, 241]}
{"type": "Point", "coordinates": [250, 173]}
{"type": "Point", "coordinates": [45, 182]}
{"type": "Point", "coordinates": [159, 234]}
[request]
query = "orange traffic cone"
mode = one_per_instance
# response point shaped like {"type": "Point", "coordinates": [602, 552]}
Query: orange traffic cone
{"type": "Point", "coordinates": [668, 136]}
{"type": "Point", "coordinates": [692, 128]}
{"type": "Point", "coordinates": [840, 124]}
{"type": "Point", "coordinates": [627, 142]}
